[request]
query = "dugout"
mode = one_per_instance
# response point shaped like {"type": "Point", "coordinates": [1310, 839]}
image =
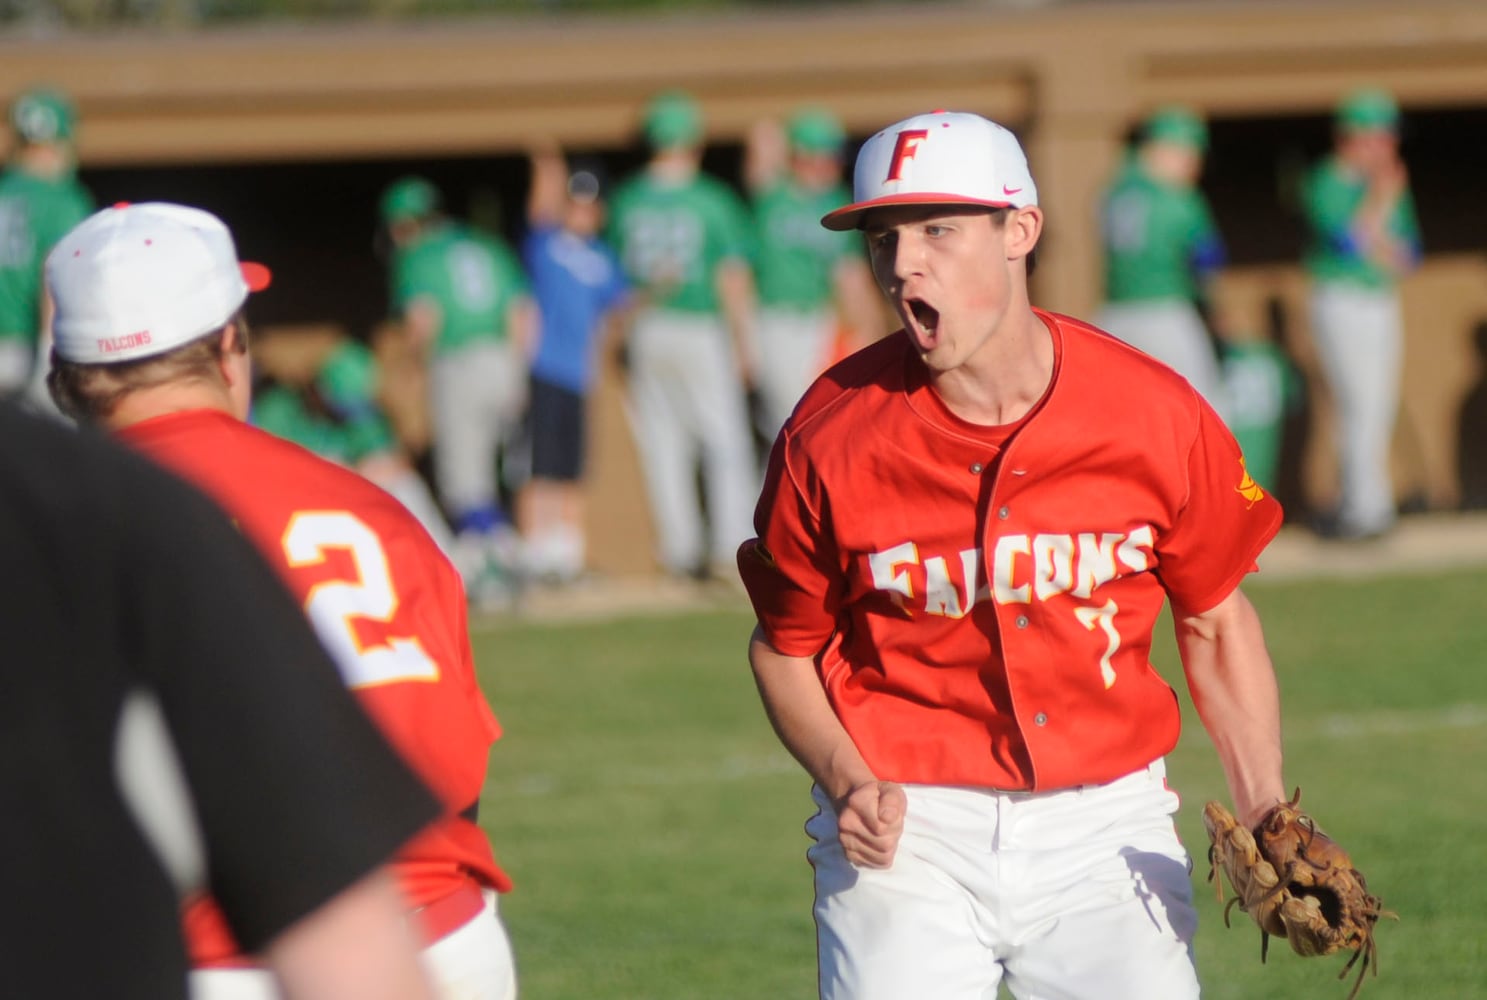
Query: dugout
{"type": "Point", "coordinates": [289, 133]}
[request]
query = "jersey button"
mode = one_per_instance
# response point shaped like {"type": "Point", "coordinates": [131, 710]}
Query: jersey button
{"type": "Point", "coordinates": [976, 468]}
{"type": "Point", "coordinates": [1040, 719]}
{"type": "Point", "coordinates": [1022, 621]}
{"type": "Point", "coordinates": [1004, 513]}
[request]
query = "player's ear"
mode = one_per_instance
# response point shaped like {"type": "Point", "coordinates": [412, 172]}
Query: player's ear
{"type": "Point", "coordinates": [1021, 229]}
{"type": "Point", "coordinates": [236, 368]}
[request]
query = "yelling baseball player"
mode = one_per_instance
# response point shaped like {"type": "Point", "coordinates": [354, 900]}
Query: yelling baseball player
{"type": "Point", "coordinates": [964, 540]}
{"type": "Point", "coordinates": [151, 343]}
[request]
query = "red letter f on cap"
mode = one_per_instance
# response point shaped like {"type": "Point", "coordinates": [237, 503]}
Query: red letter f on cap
{"type": "Point", "coordinates": [904, 149]}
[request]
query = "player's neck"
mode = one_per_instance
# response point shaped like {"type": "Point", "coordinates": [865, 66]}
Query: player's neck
{"type": "Point", "coordinates": [1005, 378]}
{"type": "Point", "coordinates": [673, 167]}
{"type": "Point", "coordinates": [47, 162]}
{"type": "Point", "coordinates": [163, 400]}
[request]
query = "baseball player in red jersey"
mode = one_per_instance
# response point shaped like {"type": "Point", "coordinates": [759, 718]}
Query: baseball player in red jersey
{"type": "Point", "coordinates": [965, 537]}
{"type": "Point", "coordinates": [150, 342]}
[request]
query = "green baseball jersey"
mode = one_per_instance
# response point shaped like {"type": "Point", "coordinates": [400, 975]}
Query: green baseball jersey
{"type": "Point", "coordinates": [797, 256]}
{"type": "Point", "coordinates": [1331, 197]}
{"type": "Point", "coordinates": [283, 412]}
{"type": "Point", "coordinates": [670, 238]}
{"type": "Point", "coordinates": [1157, 237]}
{"type": "Point", "coordinates": [338, 416]}
{"type": "Point", "coordinates": [348, 383]}
{"type": "Point", "coordinates": [472, 277]}
{"type": "Point", "coordinates": [35, 212]}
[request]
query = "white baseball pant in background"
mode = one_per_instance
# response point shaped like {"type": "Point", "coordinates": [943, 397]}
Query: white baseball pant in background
{"type": "Point", "coordinates": [1081, 894]}
{"type": "Point", "coordinates": [1359, 334]}
{"type": "Point", "coordinates": [687, 403]}
{"type": "Point", "coordinates": [1171, 331]}
{"type": "Point", "coordinates": [15, 366]}
{"type": "Point", "coordinates": [793, 347]}
{"type": "Point", "coordinates": [477, 396]}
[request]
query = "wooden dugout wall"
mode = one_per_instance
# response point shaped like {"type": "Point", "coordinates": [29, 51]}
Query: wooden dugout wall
{"type": "Point", "coordinates": [1072, 78]}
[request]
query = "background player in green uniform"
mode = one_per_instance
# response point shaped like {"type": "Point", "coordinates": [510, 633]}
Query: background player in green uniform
{"type": "Point", "coordinates": [1161, 247]}
{"type": "Point", "coordinates": [683, 239]}
{"type": "Point", "coordinates": [1364, 237]}
{"type": "Point", "coordinates": [813, 283]}
{"type": "Point", "coordinates": [40, 200]}
{"type": "Point", "coordinates": [462, 295]}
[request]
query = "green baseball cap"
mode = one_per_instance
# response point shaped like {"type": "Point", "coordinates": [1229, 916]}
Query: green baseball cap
{"type": "Point", "coordinates": [816, 130]}
{"type": "Point", "coordinates": [1177, 125]}
{"type": "Point", "coordinates": [672, 119]}
{"type": "Point", "coordinates": [1368, 110]}
{"type": "Point", "coordinates": [43, 115]}
{"type": "Point", "coordinates": [409, 198]}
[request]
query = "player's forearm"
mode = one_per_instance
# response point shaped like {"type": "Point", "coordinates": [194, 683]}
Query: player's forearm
{"type": "Point", "coordinates": [1234, 690]}
{"type": "Point", "coordinates": [735, 286]}
{"type": "Point", "coordinates": [804, 721]}
{"type": "Point", "coordinates": [521, 319]}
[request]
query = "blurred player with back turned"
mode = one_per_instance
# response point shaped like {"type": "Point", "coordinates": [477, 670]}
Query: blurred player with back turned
{"type": "Point", "coordinates": [683, 239]}
{"type": "Point", "coordinates": [1162, 249]}
{"type": "Point", "coordinates": [463, 299]}
{"type": "Point", "coordinates": [816, 295]}
{"type": "Point", "coordinates": [965, 538]}
{"type": "Point", "coordinates": [40, 199]}
{"type": "Point", "coordinates": [152, 344]}
{"type": "Point", "coordinates": [168, 720]}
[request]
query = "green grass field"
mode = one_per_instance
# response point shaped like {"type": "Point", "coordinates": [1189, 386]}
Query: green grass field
{"type": "Point", "coordinates": [653, 824]}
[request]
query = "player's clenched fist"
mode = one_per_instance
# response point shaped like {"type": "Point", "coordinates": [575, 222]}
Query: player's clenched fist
{"type": "Point", "coordinates": [870, 821]}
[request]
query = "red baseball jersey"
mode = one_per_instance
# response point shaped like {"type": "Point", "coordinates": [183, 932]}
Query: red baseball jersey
{"type": "Point", "coordinates": [979, 601]}
{"type": "Point", "coordinates": [387, 604]}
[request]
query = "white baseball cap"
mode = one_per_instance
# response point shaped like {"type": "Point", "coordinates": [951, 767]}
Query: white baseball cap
{"type": "Point", "coordinates": [134, 281]}
{"type": "Point", "coordinates": [941, 158]}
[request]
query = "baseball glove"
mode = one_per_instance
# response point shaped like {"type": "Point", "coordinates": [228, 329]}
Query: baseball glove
{"type": "Point", "coordinates": [1297, 884]}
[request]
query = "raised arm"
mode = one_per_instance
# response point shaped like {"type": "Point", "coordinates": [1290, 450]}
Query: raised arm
{"type": "Point", "coordinates": [548, 188]}
{"type": "Point", "coordinates": [1233, 686]}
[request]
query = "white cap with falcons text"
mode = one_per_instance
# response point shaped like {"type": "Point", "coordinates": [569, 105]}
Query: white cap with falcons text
{"type": "Point", "coordinates": [134, 281]}
{"type": "Point", "coordinates": [940, 158]}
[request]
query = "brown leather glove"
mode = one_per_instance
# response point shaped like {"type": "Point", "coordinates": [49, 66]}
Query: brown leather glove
{"type": "Point", "coordinates": [1297, 884]}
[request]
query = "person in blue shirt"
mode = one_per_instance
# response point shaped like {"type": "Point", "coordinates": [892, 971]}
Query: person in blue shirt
{"type": "Point", "coordinates": [579, 289]}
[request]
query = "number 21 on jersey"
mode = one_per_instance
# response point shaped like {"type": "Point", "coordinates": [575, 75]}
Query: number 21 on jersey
{"type": "Point", "coordinates": [335, 606]}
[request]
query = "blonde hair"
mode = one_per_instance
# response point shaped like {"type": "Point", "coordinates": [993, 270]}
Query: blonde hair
{"type": "Point", "coordinates": [91, 392]}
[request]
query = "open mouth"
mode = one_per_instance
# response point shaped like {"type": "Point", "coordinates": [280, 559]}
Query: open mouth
{"type": "Point", "coordinates": [926, 316]}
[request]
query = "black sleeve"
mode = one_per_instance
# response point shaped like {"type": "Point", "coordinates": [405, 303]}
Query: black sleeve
{"type": "Point", "coordinates": [297, 792]}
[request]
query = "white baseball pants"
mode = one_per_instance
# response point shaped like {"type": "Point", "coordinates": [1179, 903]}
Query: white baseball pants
{"type": "Point", "coordinates": [1075, 895]}
{"type": "Point", "coordinates": [471, 963]}
{"type": "Point", "coordinates": [792, 349]}
{"type": "Point", "coordinates": [687, 403]}
{"type": "Point", "coordinates": [15, 365]}
{"type": "Point", "coordinates": [1359, 334]}
{"type": "Point", "coordinates": [477, 396]}
{"type": "Point", "coordinates": [1171, 331]}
